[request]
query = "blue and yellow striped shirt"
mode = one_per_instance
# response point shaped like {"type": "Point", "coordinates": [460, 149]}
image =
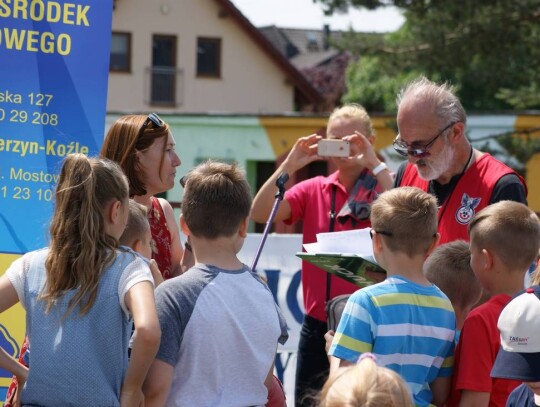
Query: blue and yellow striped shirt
{"type": "Point", "coordinates": [409, 327]}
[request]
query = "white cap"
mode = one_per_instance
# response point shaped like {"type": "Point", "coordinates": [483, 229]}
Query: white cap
{"type": "Point", "coordinates": [519, 324]}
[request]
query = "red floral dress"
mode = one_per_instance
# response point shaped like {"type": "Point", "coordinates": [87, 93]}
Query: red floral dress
{"type": "Point", "coordinates": [161, 239]}
{"type": "Point", "coordinates": [13, 385]}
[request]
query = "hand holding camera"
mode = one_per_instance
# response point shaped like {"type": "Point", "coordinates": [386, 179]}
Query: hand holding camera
{"type": "Point", "coordinates": [354, 146]}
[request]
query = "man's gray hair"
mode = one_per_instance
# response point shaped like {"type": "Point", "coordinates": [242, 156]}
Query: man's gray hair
{"type": "Point", "coordinates": [446, 104]}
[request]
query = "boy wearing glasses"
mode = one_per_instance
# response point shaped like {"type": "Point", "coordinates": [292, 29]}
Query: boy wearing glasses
{"type": "Point", "coordinates": [442, 161]}
{"type": "Point", "coordinates": [406, 321]}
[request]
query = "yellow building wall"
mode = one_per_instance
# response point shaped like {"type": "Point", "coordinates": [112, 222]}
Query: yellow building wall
{"type": "Point", "coordinates": [533, 166]}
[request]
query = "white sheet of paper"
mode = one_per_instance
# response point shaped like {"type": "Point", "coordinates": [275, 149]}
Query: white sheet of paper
{"type": "Point", "coordinates": [350, 241]}
{"type": "Point", "coordinates": [312, 247]}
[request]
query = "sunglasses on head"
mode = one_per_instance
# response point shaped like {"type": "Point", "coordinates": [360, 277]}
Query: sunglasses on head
{"type": "Point", "coordinates": [183, 181]}
{"type": "Point", "coordinates": [153, 119]}
{"type": "Point", "coordinates": [417, 150]}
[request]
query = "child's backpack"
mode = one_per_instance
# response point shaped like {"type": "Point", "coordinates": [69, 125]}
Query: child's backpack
{"type": "Point", "coordinates": [334, 309]}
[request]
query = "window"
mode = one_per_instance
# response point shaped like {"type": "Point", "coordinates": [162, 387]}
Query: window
{"type": "Point", "coordinates": [209, 57]}
{"type": "Point", "coordinates": [312, 43]}
{"type": "Point", "coordinates": [163, 91]}
{"type": "Point", "coordinates": [120, 52]}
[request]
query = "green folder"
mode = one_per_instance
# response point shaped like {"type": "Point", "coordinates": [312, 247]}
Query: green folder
{"type": "Point", "coordinates": [351, 267]}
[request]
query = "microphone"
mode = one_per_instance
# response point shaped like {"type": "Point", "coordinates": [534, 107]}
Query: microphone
{"type": "Point", "coordinates": [280, 183]}
{"type": "Point", "coordinates": [282, 179]}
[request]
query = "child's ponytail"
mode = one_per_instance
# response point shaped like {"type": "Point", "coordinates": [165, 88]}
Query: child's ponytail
{"type": "Point", "coordinates": [80, 249]}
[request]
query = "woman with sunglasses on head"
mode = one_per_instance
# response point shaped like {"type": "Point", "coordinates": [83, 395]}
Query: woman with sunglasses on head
{"type": "Point", "coordinates": [144, 148]}
{"type": "Point", "coordinates": [442, 161]}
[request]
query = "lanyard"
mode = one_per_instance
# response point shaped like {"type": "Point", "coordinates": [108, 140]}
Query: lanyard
{"type": "Point", "coordinates": [331, 229]}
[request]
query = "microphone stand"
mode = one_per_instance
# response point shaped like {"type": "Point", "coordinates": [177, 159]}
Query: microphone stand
{"type": "Point", "coordinates": [280, 183]}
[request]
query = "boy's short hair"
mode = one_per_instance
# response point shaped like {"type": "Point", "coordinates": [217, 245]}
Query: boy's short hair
{"type": "Point", "coordinates": [406, 217]}
{"type": "Point", "coordinates": [216, 200]}
{"type": "Point", "coordinates": [449, 268]}
{"type": "Point", "coordinates": [511, 230]}
{"type": "Point", "coordinates": [137, 224]}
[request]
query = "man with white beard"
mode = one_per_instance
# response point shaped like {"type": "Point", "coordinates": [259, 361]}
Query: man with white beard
{"type": "Point", "coordinates": [442, 161]}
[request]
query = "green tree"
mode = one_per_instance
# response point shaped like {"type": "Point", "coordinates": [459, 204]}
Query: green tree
{"type": "Point", "coordinates": [374, 88]}
{"type": "Point", "coordinates": [487, 48]}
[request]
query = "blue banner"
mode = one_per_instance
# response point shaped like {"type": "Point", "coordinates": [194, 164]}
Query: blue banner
{"type": "Point", "coordinates": [54, 64]}
{"type": "Point", "coordinates": [54, 60]}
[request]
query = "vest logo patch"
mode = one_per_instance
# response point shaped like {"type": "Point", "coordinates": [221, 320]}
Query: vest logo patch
{"type": "Point", "coordinates": [465, 212]}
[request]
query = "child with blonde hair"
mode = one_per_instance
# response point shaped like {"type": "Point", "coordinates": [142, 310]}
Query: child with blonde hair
{"type": "Point", "coordinates": [365, 385]}
{"type": "Point", "coordinates": [138, 237]}
{"type": "Point", "coordinates": [137, 233]}
{"type": "Point", "coordinates": [80, 294]}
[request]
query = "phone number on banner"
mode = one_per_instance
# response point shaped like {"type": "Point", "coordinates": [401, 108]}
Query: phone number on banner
{"type": "Point", "coordinates": [23, 116]}
{"type": "Point", "coordinates": [26, 193]}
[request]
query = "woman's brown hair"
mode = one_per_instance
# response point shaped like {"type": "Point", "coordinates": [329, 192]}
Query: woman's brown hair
{"type": "Point", "coordinates": [128, 135]}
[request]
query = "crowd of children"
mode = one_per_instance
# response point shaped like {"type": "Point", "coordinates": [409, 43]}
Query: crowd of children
{"type": "Point", "coordinates": [409, 325]}
{"type": "Point", "coordinates": [90, 295]}
{"type": "Point", "coordinates": [208, 337]}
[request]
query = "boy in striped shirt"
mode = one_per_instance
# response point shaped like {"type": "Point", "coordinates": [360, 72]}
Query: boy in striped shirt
{"type": "Point", "coordinates": [406, 321]}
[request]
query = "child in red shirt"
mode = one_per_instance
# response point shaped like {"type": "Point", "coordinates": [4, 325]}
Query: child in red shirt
{"type": "Point", "coordinates": [504, 241]}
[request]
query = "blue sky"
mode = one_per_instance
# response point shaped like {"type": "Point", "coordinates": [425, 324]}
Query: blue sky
{"type": "Point", "coordinates": [306, 14]}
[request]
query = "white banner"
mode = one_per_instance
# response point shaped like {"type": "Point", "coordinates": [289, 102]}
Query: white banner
{"type": "Point", "coordinates": [279, 264]}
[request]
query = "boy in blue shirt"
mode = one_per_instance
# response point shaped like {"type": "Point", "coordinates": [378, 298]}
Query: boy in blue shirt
{"type": "Point", "coordinates": [406, 321]}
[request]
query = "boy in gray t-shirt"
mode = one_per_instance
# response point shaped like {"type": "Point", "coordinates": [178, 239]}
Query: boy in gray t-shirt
{"type": "Point", "coordinates": [220, 324]}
